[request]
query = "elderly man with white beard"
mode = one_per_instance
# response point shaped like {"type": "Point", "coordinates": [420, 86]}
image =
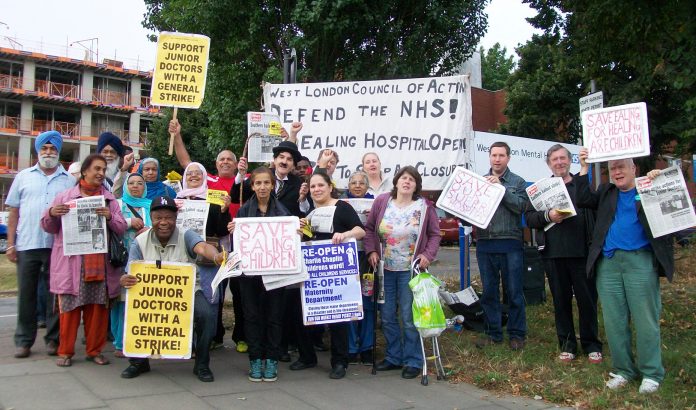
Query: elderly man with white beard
{"type": "Point", "coordinates": [117, 162]}
{"type": "Point", "coordinates": [32, 191]}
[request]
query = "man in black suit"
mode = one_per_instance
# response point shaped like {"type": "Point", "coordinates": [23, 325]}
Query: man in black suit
{"type": "Point", "coordinates": [289, 187]}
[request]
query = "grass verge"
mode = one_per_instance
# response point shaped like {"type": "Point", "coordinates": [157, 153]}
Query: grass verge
{"type": "Point", "coordinates": [8, 275]}
{"type": "Point", "coordinates": [536, 371]}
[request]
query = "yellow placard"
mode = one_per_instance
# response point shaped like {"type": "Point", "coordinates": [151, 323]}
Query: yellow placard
{"type": "Point", "coordinates": [180, 70]}
{"type": "Point", "coordinates": [159, 311]}
{"type": "Point", "coordinates": [215, 196]}
{"type": "Point", "coordinates": [274, 128]}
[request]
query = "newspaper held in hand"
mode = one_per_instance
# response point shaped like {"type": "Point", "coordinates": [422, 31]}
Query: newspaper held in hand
{"type": "Point", "coordinates": [551, 194]}
{"type": "Point", "coordinates": [263, 130]}
{"type": "Point", "coordinates": [362, 207]}
{"type": "Point", "coordinates": [192, 215]}
{"type": "Point", "coordinates": [84, 232]}
{"type": "Point", "coordinates": [471, 197]}
{"type": "Point", "coordinates": [666, 202]}
{"type": "Point", "coordinates": [228, 269]}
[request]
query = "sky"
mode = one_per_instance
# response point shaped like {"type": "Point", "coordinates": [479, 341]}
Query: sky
{"type": "Point", "coordinates": [50, 26]}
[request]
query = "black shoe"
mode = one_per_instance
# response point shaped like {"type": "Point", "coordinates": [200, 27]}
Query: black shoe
{"type": "Point", "coordinates": [366, 357]}
{"type": "Point", "coordinates": [410, 372]}
{"type": "Point", "coordinates": [135, 370]}
{"type": "Point", "coordinates": [320, 347]}
{"type": "Point", "coordinates": [353, 358]}
{"type": "Point", "coordinates": [41, 324]}
{"type": "Point", "coordinates": [385, 365]}
{"type": "Point", "coordinates": [486, 341]}
{"type": "Point", "coordinates": [285, 358]}
{"type": "Point", "coordinates": [517, 344]}
{"type": "Point", "coordinates": [298, 365]}
{"type": "Point", "coordinates": [338, 372]}
{"type": "Point", "coordinates": [204, 374]}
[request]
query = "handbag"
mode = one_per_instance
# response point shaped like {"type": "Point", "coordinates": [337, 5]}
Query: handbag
{"type": "Point", "coordinates": [118, 254]}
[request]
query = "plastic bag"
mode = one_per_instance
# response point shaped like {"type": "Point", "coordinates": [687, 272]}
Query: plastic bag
{"type": "Point", "coordinates": [428, 316]}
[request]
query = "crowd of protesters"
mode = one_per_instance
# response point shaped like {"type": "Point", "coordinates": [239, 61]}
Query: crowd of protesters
{"type": "Point", "coordinates": [606, 253]}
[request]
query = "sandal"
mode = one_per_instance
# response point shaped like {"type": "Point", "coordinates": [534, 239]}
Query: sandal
{"type": "Point", "coordinates": [119, 354]}
{"type": "Point", "coordinates": [98, 359]}
{"type": "Point", "coordinates": [64, 361]}
{"type": "Point", "coordinates": [566, 357]}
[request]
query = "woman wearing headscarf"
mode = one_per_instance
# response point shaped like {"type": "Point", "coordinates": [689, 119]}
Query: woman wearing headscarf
{"type": "Point", "coordinates": [150, 170]}
{"type": "Point", "coordinates": [195, 188]}
{"type": "Point", "coordinates": [83, 283]}
{"type": "Point", "coordinates": [135, 208]}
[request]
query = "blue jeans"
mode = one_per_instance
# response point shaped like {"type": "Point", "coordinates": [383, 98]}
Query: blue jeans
{"type": "Point", "coordinates": [403, 348]}
{"type": "Point", "coordinates": [118, 317]}
{"type": "Point", "coordinates": [508, 266]}
{"type": "Point", "coordinates": [361, 334]}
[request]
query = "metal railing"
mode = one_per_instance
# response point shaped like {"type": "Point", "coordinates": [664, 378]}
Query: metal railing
{"type": "Point", "coordinates": [109, 97]}
{"type": "Point", "coordinates": [57, 89]}
{"type": "Point", "coordinates": [9, 122]}
{"type": "Point", "coordinates": [10, 81]}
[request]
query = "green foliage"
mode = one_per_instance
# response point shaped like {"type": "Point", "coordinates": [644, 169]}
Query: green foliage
{"type": "Point", "coordinates": [335, 40]}
{"type": "Point", "coordinates": [635, 51]}
{"type": "Point", "coordinates": [496, 67]}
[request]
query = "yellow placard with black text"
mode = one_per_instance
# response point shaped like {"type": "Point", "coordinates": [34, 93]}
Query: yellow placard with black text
{"type": "Point", "coordinates": [215, 196]}
{"type": "Point", "coordinates": [159, 311]}
{"type": "Point", "coordinates": [180, 70]}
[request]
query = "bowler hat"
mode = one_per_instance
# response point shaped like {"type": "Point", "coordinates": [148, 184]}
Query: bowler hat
{"type": "Point", "coordinates": [287, 146]}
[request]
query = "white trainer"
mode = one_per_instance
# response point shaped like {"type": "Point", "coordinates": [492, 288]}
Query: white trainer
{"type": "Point", "coordinates": [617, 381]}
{"type": "Point", "coordinates": [648, 386]}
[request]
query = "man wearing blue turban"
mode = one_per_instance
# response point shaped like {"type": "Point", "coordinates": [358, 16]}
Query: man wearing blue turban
{"type": "Point", "coordinates": [28, 245]}
{"type": "Point", "coordinates": [117, 161]}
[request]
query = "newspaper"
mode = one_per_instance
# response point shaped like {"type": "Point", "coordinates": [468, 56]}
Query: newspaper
{"type": "Point", "coordinates": [466, 296]}
{"type": "Point", "coordinates": [271, 282]}
{"type": "Point", "coordinates": [175, 185]}
{"type": "Point", "coordinates": [192, 215]}
{"type": "Point", "coordinates": [362, 207]}
{"type": "Point", "coordinates": [84, 232]}
{"type": "Point", "coordinates": [228, 269]}
{"type": "Point", "coordinates": [551, 193]}
{"type": "Point", "coordinates": [263, 130]}
{"type": "Point", "coordinates": [666, 202]}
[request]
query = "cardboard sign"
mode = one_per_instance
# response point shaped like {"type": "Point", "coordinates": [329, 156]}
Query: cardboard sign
{"type": "Point", "coordinates": [470, 197]}
{"type": "Point", "coordinates": [180, 70]}
{"type": "Point", "coordinates": [159, 311]}
{"type": "Point", "coordinates": [427, 121]}
{"type": "Point", "coordinates": [268, 245]}
{"type": "Point", "coordinates": [332, 293]}
{"type": "Point", "coordinates": [616, 132]}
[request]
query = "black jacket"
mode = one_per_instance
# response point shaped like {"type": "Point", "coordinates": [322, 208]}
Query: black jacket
{"type": "Point", "coordinates": [288, 196]}
{"type": "Point", "coordinates": [604, 200]}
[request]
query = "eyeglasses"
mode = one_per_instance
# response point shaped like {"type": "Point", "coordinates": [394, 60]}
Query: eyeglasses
{"type": "Point", "coordinates": [360, 183]}
{"type": "Point", "coordinates": [194, 173]}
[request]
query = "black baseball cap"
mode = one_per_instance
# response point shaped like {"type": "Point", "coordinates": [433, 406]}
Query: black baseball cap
{"type": "Point", "coordinates": [163, 202]}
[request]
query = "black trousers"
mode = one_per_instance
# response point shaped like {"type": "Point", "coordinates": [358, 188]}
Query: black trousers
{"type": "Point", "coordinates": [33, 266]}
{"type": "Point", "coordinates": [305, 337]}
{"type": "Point", "coordinates": [567, 277]}
{"type": "Point", "coordinates": [263, 318]}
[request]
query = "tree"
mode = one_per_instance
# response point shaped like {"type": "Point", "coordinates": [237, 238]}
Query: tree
{"type": "Point", "coordinates": [335, 41]}
{"type": "Point", "coordinates": [635, 51]}
{"type": "Point", "coordinates": [496, 67]}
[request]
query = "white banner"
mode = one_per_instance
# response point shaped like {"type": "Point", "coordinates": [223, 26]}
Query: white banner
{"type": "Point", "coordinates": [470, 197]}
{"type": "Point", "coordinates": [424, 122]}
{"type": "Point", "coordinates": [616, 132]}
{"type": "Point", "coordinates": [527, 155]}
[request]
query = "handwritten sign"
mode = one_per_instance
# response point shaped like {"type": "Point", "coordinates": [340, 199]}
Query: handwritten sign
{"type": "Point", "coordinates": [616, 132]}
{"type": "Point", "coordinates": [428, 121]}
{"type": "Point", "coordinates": [470, 197]}
{"type": "Point", "coordinates": [332, 293]}
{"type": "Point", "coordinates": [180, 70]}
{"type": "Point", "coordinates": [159, 311]}
{"type": "Point", "coordinates": [269, 245]}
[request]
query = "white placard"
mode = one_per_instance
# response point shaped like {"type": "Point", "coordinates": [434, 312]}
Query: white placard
{"type": "Point", "coordinates": [470, 197]}
{"type": "Point", "coordinates": [268, 245]}
{"type": "Point", "coordinates": [616, 132]}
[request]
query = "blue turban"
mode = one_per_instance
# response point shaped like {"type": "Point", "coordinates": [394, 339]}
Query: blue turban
{"type": "Point", "coordinates": [48, 137]}
{"type": "Point", "coordinates": [107, 138]}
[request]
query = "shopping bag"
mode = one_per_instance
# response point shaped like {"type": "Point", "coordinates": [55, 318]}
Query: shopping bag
{"type": "Point", "coordinates": [428, 316]}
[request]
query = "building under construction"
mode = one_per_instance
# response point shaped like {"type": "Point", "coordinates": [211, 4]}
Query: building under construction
{"type": "Point", "coordinates": [78, 98]}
